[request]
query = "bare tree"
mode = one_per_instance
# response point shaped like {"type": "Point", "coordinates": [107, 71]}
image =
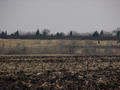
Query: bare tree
{"type": "Point", "coordinates": [45, 32]}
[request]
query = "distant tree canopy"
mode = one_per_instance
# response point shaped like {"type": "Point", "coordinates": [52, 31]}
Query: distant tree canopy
{"type": "Point", "coordinates": [3, 33]}
{"type": "Point", "coordinates": [71, 33]}
{"type": "Point", "coordinates": [101, 33]}
{"type": "Point", "coordinates": [60, 34]}
{"type": "Point", "coordinates": [95, 34]}
{"type": "Point", "coordinates": [15, 33]}
{"type": "Point", "coordinates": [45, 34]}
{"type": "Point", "coordinates": [117, 31]}
{"type": "Point", "coordinates": [37, 32]}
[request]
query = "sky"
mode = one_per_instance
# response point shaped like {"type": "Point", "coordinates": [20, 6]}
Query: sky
{"type": "Point", "coordinates": [59, 15]}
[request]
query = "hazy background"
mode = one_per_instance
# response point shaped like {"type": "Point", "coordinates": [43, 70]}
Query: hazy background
{"type": "Point", "coordinates": [59, 15]}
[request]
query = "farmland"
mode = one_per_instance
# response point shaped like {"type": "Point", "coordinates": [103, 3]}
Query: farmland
{"type": "Point", "coordinates": [81, 47]}
{"type": "Point", "coordinates": [59, 64]}
{"type": "Point", "coordinates": [59, 72]}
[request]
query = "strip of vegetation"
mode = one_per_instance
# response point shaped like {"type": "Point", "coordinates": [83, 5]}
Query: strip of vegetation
{"type": "Point", "coordinates": [45, 34]}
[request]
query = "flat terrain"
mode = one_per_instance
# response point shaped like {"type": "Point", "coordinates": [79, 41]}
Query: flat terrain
{"type": "Point", "coordinates": [59, 72]}
{"type": "Point", "coordinates": [81, 47]}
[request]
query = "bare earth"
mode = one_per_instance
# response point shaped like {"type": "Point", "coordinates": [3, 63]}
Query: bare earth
{"type": "Point", "coordinates": [59, 72]}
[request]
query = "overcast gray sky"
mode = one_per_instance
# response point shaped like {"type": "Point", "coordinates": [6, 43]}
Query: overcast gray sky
{"type": "Point", "coordinates": [59, 15]}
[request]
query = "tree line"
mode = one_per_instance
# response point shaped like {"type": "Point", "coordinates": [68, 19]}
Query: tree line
{"type": "Point", "coordinates": [45, 34]}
